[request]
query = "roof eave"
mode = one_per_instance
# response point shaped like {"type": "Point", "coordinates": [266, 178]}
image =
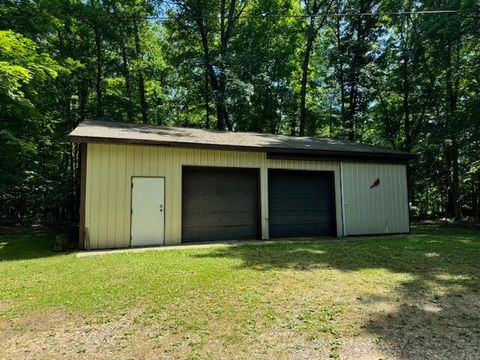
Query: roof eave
{"type": "Point", "coordinates": [339, 155]}
{"type": "Point", "coordinates": [272, 152]}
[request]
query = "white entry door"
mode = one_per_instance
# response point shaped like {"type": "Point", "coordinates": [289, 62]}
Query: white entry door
{"type": "Point", "coordinates": [148, 211]}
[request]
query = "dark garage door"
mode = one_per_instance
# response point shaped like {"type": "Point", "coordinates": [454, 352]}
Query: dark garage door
{"type": "Point", "coordinates": [219, 204]}
{"type": "Point", "coordinates": [301, 203]}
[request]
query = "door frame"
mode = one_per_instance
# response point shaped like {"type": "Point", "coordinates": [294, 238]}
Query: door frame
{"type": "Point", "coordinates": [259, 193]}
{"type": "Point", "coordinates": [331, 176]}
{"type": "Point", "coordinates": [164, 205]}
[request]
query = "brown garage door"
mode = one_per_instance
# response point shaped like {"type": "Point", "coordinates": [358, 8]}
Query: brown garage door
{"type": "Point", "coordinates": [301, 203]}
{"type": "Point", "coordinates": [219, 204]}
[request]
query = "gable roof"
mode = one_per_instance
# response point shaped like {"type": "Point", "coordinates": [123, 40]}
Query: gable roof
{"type": "Point", "coordinates": [276, 145]}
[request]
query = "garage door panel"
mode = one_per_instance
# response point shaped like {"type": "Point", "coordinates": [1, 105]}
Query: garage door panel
{"type": "Point", "coordinates": [212, 218]}
{"type": "Point", "coordinates": [211, 232]}
{"type": "Point", "coordinates": [301, 203]}
{"type": "Point", "coordinates": [219, 204]}
{"type": "Point", "coordinates": [302, 230]}
{"type": "Point", "coordinates": [292, 216]}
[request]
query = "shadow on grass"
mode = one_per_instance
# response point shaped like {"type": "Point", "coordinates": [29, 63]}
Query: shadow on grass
{"type": "Point", "coordinates": [436, 314]}
{"type": "Point", "coordinates": [25, 246]}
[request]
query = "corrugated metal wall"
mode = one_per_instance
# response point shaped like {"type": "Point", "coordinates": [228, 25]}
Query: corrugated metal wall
{"type": "Point", "coordinates": [108, 186]}
{"type": "Point", "coordinates": [378, 210]}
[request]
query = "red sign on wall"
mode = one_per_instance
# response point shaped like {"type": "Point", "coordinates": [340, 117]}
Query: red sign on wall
{"type": "Point", "coordinates": [375, 183]}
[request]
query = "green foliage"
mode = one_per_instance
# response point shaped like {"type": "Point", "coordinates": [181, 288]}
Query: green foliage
{"type": "Point", "coordinates": [21, 63]}
{"type": "Point", "coordinates": [24, 71]}
{"type": "Point", "coordinates": [408, 82]}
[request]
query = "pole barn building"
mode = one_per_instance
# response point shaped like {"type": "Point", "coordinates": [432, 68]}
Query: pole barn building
{"type": "Point", "coordinates": [145, 186]}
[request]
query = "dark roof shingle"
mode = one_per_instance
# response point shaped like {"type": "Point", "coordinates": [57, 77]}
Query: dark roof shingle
{"type": "Point", "coordinates": [117, 132]}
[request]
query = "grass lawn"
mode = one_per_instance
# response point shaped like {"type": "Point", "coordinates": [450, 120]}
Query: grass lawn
{"type": "Point", "coordinates": [402, 297]}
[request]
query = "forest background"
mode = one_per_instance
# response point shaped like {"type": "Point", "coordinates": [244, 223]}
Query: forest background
{"type": "Point", "coordinates": [399, 74]}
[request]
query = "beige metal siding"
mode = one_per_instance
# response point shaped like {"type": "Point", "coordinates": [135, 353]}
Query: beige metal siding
{"type": "Point", "coordinates": [380, 210]}
{"type": "Point", "coordinates": [110, 168]}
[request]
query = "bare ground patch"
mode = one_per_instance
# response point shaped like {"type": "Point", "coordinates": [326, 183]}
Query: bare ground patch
{"type": "Point", "coordinates": [376, 329]}
{"type": "Point", "coordinates": [59, 335]}
{"type": "Point", "coordinates": [410, 298]}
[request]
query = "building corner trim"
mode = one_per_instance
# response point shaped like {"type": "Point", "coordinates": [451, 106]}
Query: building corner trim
{"type": "Point", "coordinates": [83, 183]}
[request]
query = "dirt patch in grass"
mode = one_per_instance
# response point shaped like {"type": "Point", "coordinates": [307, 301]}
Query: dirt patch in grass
{"type": "Point", "coordinates": [59, 335]}
{"type": "Point", "coordinates": [446, 327]}
{"type": "Point", "coordinates": [411, 297]}
{"type": "Point", "coordinates": [6, 305]}
{"type": "Point", "coordinates": [384, 330]}
{"type": "Point", "coordinates": [376, 328]}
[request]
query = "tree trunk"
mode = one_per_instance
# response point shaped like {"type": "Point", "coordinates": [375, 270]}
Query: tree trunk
{"type": "Point", "coordinates": [408, 141]}
{"type": "Point", "coordinates": [207, 99]}
{"type": "Point", "coordinates": [452, 159]}
{"type": "Point", "coordinates": [352, 98]}
{"type": "Point", "coordinates": [225, 30]}
{"type": "Point", "coordinates": [305, 64]}
{"type": "Point", "coordinates": [128, 86]}
{"type": "Point", "coordinates": [313, 28]}
{"type": "Point", "coordinates": [219, 83]}
{"type": "Point", "coordinates": [98, 49]}
{"type": "Point", "coordinates": [222, 114]}
{"type": "Point", "coordinates": [354, 76]}
{"type": "Point", "coordinates": [350, 115]}
{"type": "Point", "coordinates": [293, 125]}
{"type": "Point", "coordinates": [83, 99]}
{"type": "Point", "coordinates": [141, 80]}
{"type": "Point", "coordinates": [476, 199]}
{"type": "Point", "coordinates": [341, 74]}
{"type": "Point", "coordinates": [456, 182]}
{"type": "Point", "coordinates": [406, 109]}
{"type": "Point", "coordinates": [214, 81]}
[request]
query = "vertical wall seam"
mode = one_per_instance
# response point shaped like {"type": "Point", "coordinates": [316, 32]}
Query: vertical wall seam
{"type": "Point", "coordinates": [342, 200]}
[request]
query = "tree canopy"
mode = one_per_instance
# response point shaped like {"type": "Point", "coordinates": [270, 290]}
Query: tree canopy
{"type": "Point", "coordinates": [400, 74]}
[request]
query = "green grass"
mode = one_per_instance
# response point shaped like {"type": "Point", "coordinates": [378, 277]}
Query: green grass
{"type": "Point", "coordinates": [296, 299]}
